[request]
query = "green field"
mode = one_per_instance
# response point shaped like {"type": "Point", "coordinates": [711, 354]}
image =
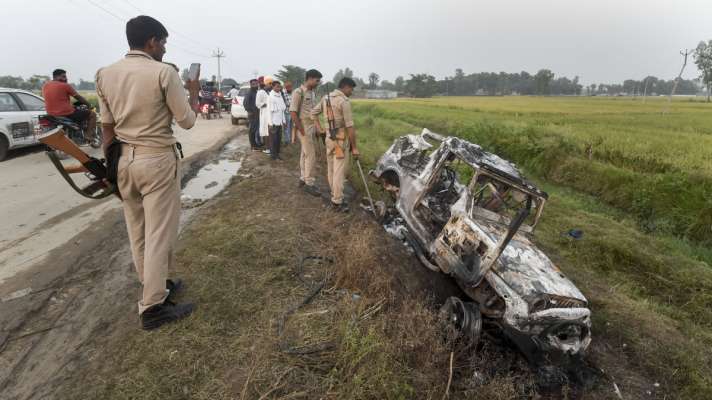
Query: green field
{"type": "Point", "coordinates": [656, 166]}
{"type": "Point", "coordinates": [636, 180]}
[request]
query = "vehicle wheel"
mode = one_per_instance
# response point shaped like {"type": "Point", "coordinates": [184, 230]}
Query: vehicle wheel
{"type": "Point", "coordinates": [462, 319]}
{"type": "Point", "coordinates": [235, 121]}
{"type": "Point", "coordinates": [4, 147]}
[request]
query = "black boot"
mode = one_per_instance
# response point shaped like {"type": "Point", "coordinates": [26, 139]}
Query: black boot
{"type": "Point", "coordinates": [173, 286]}
{"type": "Point", "coordinates": [311, 190]}
{"type": "Point", "coordinates": [160, 314]}
{"type": "Point", "coordinates": [342, 208]}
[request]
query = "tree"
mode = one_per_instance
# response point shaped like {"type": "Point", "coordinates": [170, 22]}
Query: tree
{"type": "Point", "coordinates": [85, 85]}
{"type": "Point", "coordinates": [421, 85]}
{"type": "Point", "coordinates": [13, 82]}
{"type": "Point", "coordinates": [399, 83]}
{"type": "Point", "coordinates": [292, 73]}
{"type": "Point", "coordinates": [373, 79]}
{"type": "Point", "coordinates": [35, 82]}
{"type": "Point", "coordinates": [387, 85]}
{"type": "Point", "coordinates": [360, 83]}
{"type": "Point", "coordinates": [703, 59]}
{"type": "Point", "coordinates": [543, 79]}
{"type": "Point", "coordinates": [343, 73]}
{"type": "Point", "coordinates": [227, 83]}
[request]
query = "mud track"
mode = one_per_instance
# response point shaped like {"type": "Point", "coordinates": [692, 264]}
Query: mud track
{"type": "Point", "coordinates": [75, 296]}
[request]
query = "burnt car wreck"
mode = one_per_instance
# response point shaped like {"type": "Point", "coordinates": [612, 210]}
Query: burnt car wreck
{"type": "Point", "coordinates": [470, 214]}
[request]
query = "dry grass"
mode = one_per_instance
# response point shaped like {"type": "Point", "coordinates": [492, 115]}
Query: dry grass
{"type": "Point", "coordinates": [374, 325]}
{"type": "Point", "coordinates": [241, 261]}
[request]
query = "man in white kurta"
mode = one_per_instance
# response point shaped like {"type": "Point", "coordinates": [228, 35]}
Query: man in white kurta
{"type": "Point", "coordinates": [277, 111]}
{"type": "Point", "coordinates": [261, 102]}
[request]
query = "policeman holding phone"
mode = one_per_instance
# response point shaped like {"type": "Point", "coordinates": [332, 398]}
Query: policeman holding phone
{"type": "Point", "coordinates": [139, 97]}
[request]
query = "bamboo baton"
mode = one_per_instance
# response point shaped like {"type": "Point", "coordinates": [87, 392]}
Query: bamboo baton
{"type": "Point", "coordinates": [368, 192]}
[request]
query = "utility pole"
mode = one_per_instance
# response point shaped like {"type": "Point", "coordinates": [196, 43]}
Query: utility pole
{"type": "Point", "coordinates": [684, 55]}
{"type": "Point", "coordinates": [219, 54]}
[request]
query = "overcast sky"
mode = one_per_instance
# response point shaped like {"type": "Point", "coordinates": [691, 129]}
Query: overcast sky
{"type": "Point", "coordinates": [598, 40]}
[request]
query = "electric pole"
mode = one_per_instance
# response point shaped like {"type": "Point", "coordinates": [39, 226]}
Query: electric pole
{"type": "Point", "coordinates": [684, 55]}
{"type": "Point", "coordinates": [219, 54]}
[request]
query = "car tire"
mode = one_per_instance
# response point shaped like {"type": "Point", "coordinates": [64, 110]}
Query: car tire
{"type": "Point", "coordinates": [235, 121]}
{"type": "Point", "coordinates": [4, 147]}
{"type": "Point", "coordinates": [463, 321]}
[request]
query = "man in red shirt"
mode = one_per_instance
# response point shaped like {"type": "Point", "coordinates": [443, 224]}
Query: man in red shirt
{"type": "Point", "coordinates": [56, 94]}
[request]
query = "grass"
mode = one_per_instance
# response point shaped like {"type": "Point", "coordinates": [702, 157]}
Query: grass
{"type": "Point", "coordinates": [241, 260]}
{"type": "Point", "coordinates": [647, 291]}
{"type": "Point", "coordinates": [654, 166]}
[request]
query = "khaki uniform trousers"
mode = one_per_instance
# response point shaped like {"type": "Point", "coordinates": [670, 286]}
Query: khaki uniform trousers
{"type": "Point", "coordinates": [307, 156]}
{"type": "Point", "coordinates": [149, 183]}
{"type": "Point", "coordinates": [336, 169]}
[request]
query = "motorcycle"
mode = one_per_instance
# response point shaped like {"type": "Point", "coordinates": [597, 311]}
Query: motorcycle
{"type": "Point", "coordinates": [54, 133]}
{"type": "Point", "coordinates": [74, 131]}
{"type": "Point", "coordinates": [208, 107]}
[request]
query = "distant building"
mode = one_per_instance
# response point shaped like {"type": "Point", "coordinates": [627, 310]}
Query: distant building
{"type": "Point", "coordinates": [380, 94]}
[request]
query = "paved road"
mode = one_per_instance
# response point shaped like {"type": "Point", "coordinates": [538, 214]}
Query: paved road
{"type": "Point", "coordinates": [79, 279]}
{"type": "Point", "coordinates": [40, 212]}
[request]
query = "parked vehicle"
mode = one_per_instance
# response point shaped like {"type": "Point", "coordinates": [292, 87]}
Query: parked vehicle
{"type": "Point", "coordinates": [237, 109]}
{"type": "Point", "coordinates": [471, 214]}
{"type": "Point", "coordinates": [19, 110]}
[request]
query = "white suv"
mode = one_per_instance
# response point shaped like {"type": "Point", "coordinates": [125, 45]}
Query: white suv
{"type": "Point", "coordinates": [237, 110]}
{"type": "Point", "coordinates": [19, 110]}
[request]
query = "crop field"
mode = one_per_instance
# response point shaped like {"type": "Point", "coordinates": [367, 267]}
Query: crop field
{"type": "Point", "coordinates": [636, 180]}
{"type": "Point", "coordinates": [656, 166]}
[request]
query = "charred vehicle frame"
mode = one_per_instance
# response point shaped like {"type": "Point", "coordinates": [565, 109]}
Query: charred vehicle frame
{"type": "Point", "coordinates": [478, 230]}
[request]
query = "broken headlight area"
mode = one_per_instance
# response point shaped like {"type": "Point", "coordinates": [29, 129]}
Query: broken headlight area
{"type": "Point", "coordinates": [553, 335]}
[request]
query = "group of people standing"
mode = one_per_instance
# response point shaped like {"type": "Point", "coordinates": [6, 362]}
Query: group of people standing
{"type": "Point", "coordinates": [140, 98]}
{"type": "Point", "coordinates": [267, 106]}
{"type": "Point", "coordinates": [279, 116]}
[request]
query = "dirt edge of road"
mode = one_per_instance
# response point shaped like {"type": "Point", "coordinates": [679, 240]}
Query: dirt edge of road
{"type": "Point", "coordinates": [73, 294]}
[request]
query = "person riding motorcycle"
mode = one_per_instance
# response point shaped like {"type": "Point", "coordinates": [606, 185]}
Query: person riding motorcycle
{"type": "Point", "coordinates": [57, 93]}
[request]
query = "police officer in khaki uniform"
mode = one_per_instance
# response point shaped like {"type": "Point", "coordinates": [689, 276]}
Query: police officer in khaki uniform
{"type": "Point", "coordinates": [303, 101]}
{"type": "Point", "coordinates": [139, 97]}
{"type": "Point", "coordinates": [337, 151]}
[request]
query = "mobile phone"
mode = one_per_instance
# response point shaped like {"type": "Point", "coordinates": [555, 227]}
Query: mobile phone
{"type": "Point", "coordinates": [194, 72]}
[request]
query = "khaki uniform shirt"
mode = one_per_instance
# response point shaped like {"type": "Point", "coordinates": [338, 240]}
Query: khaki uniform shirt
{"type": "Point", "coordinates": [141, 97]}
{"type": "Point", "coordinates": [303, 101]}
{"type": "Point", "coordinates": [341, 106]}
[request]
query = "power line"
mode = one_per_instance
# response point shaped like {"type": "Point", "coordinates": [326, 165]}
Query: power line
{"type": "Point", "coordinates": [122, 19]}
{"type": "Point", "coordinates": [106, 11]}
{"type": "Point", "coordinates": [186, 37]}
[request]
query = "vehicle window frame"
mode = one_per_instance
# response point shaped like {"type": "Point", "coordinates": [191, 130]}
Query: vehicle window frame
{"type": "Point", "coordinates": [537, 200]}
{"type": "Point", "coordinates": [19, 104]}
{"type": "Point", "coordinates": [22, 104]}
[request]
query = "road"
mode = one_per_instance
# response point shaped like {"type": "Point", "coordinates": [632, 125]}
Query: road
{"type": "Point", "coordinates": [40, 212]}
{"type": "Point", "coordinates": [65, 266]}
